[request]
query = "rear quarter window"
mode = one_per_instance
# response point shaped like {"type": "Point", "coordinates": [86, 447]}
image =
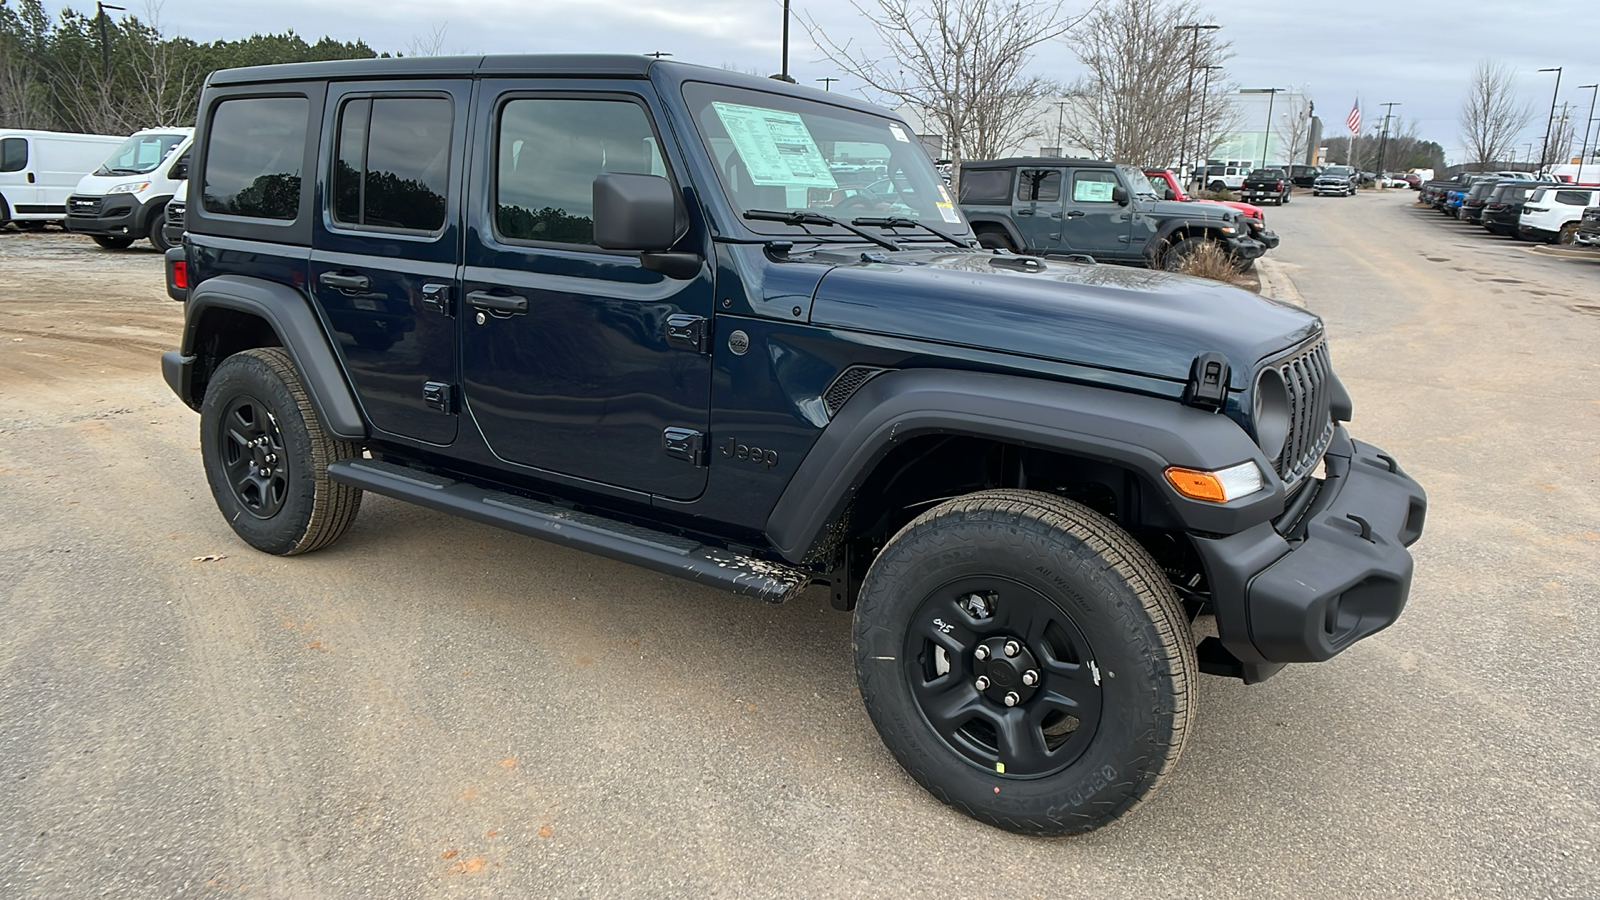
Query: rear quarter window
{"type": "Point", "coordinates": [256, 149]}
{"type": "Point", "coordinates": [986, 187]}
{"type": "Point", "coordinates": [1575, 198]}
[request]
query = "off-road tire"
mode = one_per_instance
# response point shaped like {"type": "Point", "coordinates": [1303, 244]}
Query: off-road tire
{"type": "Point", "coordinates": [1090, 572]}
{"type": "Point", "coordinates": [994, 239]}
{"type": "Point", "coordinates": [109, 242]}
{"type": "Point", "coordinates": [1218, 187]}
{"type": "Point", "coordinates": [157, 230]}
{"type": "Point", "coordinates": [307, 510]}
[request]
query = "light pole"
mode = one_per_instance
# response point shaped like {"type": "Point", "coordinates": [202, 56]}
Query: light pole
{"type": "Point", "coordinates": [1061, 111]}
{"type": "Point", "coordinates": [1200, 126]}
{"type": "Point", "coordinates": [1583, 149]}
{"type": "Point", "coordinates": [1383, 142]}
{"type": "Point", "coordinates": [1266, 136]}
{"type": "Point", "coordinates": [1544, 150]}
{"type": "Point", "coordinates": [786, 42]}
{"type": "Point", "coordinates": [827, 83]}
{"type": "Point", "coordinates": [105, 48]}
{"type": "Point", "coordinates": [1188, 91]}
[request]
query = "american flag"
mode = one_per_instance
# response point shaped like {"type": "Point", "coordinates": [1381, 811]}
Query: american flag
{"type": "Point", "coordinates": [1354, 119]}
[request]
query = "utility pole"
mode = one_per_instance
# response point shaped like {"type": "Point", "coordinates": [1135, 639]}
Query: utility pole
{"type": "Point", "coordinates": [827, 83]}
{"type": "Point", "coordinates": [1583, 151]}
{"type": "Point", "coordinates": [105, 46]}
{"type": "Point", "coordinates": [1188, 91]}
{"type": "Point", "coordinates": [1383, 142]}
{"type": "Point", "coordinates": [1200, 126]}
{"type": "Point", "coordinates": [1061, 111]}
{"type": "Point", "coordinates": [1544, 150]}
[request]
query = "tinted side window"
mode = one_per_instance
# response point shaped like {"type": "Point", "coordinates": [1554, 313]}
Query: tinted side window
{"type": "Point", "coordinates": [13, 154]}
{"type": "Point", "coordinates": [392, 163]}
{"type": "Point", "coordinates": [986, 186]}
{"type": "Point", "coordinates": [550, 152]}
{"type": "Point", "coordinates": [1039, 184]}
{"type": "Point", "coordinates": [1093, 187]}
{"type": "Point", "coordinates": [257, 145]}
{"type": "Point", "coordinates": [1573, 198]}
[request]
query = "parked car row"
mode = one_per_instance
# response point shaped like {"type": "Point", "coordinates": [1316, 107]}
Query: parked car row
{"type": "Point", "coordinates": [69, 179]}
{"type": "Point", "coordinates": [1514, 204]}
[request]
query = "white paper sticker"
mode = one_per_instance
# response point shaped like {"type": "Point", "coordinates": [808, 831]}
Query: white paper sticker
{"type": "Point", "coordinates": [775, 146]}
{"type": "Point", "coordinates": [1092, 191]}
{"type": "Point", "coordinates": [944, 191]}
{"type": "Point", "coordinates": [947, 211]}
{"type": "Point", "coordinates": [899, 133]}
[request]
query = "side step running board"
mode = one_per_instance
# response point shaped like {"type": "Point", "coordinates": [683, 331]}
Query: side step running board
{"type": "Point", "coordinates": [666, 553]}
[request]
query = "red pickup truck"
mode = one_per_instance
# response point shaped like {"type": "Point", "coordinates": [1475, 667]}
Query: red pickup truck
{"type": "Point", "coordinates": [1168, 188]}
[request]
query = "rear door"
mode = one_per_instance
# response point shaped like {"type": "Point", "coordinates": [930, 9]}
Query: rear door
{"type": "Point", "coordinates": [17, 173]}
{"type": "Point", "coordinates": [1095, 223]}
{"type": "Point", "coordinates": [384, 247]}
{"type": "Point", "coordinates": [1036, 210]}
{"type": "Point", "coordinates": [578, 360]}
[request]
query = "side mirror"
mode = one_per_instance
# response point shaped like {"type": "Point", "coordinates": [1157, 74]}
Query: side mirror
{"type": "Point", "coordinates": [636, 212]}
{"type": "Point", "coordinates": [179, 172]}
{"type": "Point", "coordinates": [1120, 195]}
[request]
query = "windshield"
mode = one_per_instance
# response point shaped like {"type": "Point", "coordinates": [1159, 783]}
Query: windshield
{"type": "Point", "coordinates": [140, 154]}
{"type": "Point", "coordinates": [1139, 183]}
{"type": "Point", "coordinates": [1337, 170]}
{"type": "Point", "coordinates": [774, 152]}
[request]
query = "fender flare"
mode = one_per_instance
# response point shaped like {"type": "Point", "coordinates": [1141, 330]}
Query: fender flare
{"type": "Point", "coordinates": [1005, 224]}
{"type": "Point", "coordinates": [1159, 241]}
{"type": "Point", "coordinates": [1140, 433]}
{"type": "Point", "coordinates": [288, 312]}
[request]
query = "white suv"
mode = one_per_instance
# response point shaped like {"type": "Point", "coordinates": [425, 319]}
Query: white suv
{"type": "Point", "coordinates": [1552, 213]}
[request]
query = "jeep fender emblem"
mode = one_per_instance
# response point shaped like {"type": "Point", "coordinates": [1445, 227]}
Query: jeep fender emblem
{"type": "Point", "coordinates": [739, 343]}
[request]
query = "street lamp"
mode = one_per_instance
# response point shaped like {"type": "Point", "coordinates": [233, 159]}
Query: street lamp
{"type": "Point", "coordinates": [1061, 111]}
{"type": "Point", "coordinates": [1188, 91]}
{"type": "Point", "coordinates": [105, 48]}
{"type": "Point", "coordinates": [1272, 94]}
{"type": "Point", "coordinates": [786, 43]}
{"type": "Point", "coordinates": [1200, 126]}
{"type": "Point", "coordinates": [1583, 150]}
{"type": "Point", "coordinates": [1383, 142]}
{"type": "Point", "coordinates": [1544, 150]}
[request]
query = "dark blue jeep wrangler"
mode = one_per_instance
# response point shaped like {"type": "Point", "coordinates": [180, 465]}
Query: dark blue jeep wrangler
{"type": "Point", "coordinates": [736, 331]}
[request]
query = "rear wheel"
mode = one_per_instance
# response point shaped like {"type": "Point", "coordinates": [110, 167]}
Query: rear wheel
{"type": "Point", "coordinates": [266, 456]}
{"type": "Point", "coordinates": [1218, 186]}
{"type": "Point", "coordinates": [1568, 235]}
{"type": "Point", "coordinates": [1025, 661]}
{"type": "Point", "coordinates": [112, 243]}
{"type": "Point", "coordinates": [995, 239]}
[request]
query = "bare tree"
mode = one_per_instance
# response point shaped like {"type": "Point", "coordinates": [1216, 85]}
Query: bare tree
{"type": "Point", "coordinates": [1130, 105]}
{"type": "Point", "coordinates": [430, 44]}
{"type": "Point", "coordinates": [166, 76]}
{"type": "Point", "coordinates": [1491, 116]}
{"type": "Point", "coordinates": [1558, 150]}
{"type": "Point", "coordinates": [960, 65]}
{"type": "Point", "coordinates": [1294, 127]}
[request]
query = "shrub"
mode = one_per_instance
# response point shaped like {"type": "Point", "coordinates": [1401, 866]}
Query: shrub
{"type": "Point", "coordinates": [1226, 195]}
{"type": "Point", "coordinates": [1209, 260]}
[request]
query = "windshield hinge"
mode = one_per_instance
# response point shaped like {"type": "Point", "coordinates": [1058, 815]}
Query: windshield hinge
{"type": "Point", "coordinates": [1208, 381]}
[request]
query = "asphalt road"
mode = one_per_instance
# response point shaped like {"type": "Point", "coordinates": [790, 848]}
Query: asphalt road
{"type": "Point", "coordinates": [433, 708]}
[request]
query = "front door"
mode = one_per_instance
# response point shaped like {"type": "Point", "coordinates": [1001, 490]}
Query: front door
{"type": "Point", "coordinates": [383, 260]}
{"type": "Point", "coordinates": [1095, 223]}
{"type": "Point", "coordinates": [569, 362]}
{"type": "Point", "coordinates": [1037, 209]}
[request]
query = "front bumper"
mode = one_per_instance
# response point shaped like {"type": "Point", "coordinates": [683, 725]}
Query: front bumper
{"type": "Point", "coordinates": [1268, 239]}
{"type": "Point", "coordinates": [114, 215]}
{"type": "Point", "coordinates": [1588, 238]}
{"type": "Point", "coordinates": [1245, 248]}
{"type": "Point", "coordinates": [1303, 591]}
{"type": "Point", "coordinates": [1339, 188]}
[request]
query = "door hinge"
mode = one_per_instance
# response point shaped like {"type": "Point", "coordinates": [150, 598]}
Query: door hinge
{"type": "Point", "coordinates": [1208, 381]}
{"type": "Point", "coordinates": [685, 444]}
{"type": "Point", "coordinates": [437, 298]}
{"type": "Point", "coordinates": [689, 332]}
{"type": "Point", "coordinates": [440, 396]}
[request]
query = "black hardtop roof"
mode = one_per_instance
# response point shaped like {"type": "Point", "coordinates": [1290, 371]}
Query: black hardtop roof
{"type": "Point", "coordinates": [578, 65]}
{"type": "Point", "coordinates": [1015, 161]}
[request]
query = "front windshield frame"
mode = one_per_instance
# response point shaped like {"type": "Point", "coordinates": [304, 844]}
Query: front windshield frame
{"type": "Point", "coordinates": [920, 193]}
{"type": "Point", "coordinates": [168, 142]}
{"type": "Point", "coordinates": [1139, 182]}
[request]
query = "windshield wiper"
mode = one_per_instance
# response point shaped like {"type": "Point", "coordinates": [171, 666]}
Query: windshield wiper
{"type": "Point", "coordinates": [903, 222]}
{"type": "Point", "coordinates": [121, 170]}
{"type": "Point", "coordinates": [807, 217]}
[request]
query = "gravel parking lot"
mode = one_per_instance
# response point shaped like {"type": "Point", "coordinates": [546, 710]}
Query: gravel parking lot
{"type": "Point", "coordinates": [433, 707]}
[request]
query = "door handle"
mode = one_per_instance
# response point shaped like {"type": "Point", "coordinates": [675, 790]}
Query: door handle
{"type": "Point", "coordinates": [345, 282]}
{"type": "Point", "coordinates": [30, 178]}
{"type": "Point", "coordinates": [510, 304]}
{"type": "Point", "coordinates": [1075, 214]}
{"type": "Point", "coordinates": [1024, 212]}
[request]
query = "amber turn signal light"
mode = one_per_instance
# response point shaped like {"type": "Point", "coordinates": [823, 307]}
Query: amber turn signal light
{"type": "Point", "coordinates": [1216, 487]}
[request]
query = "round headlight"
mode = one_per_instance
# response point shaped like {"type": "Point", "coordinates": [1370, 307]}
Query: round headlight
{"type": "Point", "coordinates": [1271, 412]}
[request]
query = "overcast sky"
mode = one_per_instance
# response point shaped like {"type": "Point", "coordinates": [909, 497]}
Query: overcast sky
{"type": "Point", "coordinates": [1419, 52]}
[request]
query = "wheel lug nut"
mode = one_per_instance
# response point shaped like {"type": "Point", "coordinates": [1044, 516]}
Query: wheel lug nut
{"type": "Point", "coordinates": [1013, 648]}
{"type": "Point", "coordinates": [1012, 699]}
{"type": "Point", "coordinates": [1030, 678]}
{"type": "Point", "coordinates": [983, 682]}
{"type": "Point", "coordinates": [980, 652]}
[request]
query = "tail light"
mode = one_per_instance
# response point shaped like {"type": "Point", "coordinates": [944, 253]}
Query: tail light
{"type": "Point", "coordinates": [180, 275]}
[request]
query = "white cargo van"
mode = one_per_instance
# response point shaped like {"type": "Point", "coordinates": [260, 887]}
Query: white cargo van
{"type": "Point", "coordinates": [126, 198]}
{"type": "Point", "coordinates": [38, 169]}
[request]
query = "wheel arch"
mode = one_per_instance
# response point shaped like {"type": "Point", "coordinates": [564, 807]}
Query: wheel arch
{"type": "Point", "coordinates": [230, 313]}
{"type": "Point", "coordinates": [991, 221]}
{"type": "Point", "coordinates": [1175, 230]}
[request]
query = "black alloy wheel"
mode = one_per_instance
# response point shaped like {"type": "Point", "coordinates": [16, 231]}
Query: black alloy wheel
{"type": "Point", "coordinates": [253, 457]}
{"type": "Point", "coordinates": [1004, 676]}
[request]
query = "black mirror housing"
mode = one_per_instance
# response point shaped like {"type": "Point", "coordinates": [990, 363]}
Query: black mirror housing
{"type": "Point", "coordinates": [1120, 195]}
{"type": "Point", "coordinates": [636, 212]}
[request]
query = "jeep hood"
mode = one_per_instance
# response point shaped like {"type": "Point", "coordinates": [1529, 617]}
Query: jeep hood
{"type": "Point", "coordinates": [1110, 317]}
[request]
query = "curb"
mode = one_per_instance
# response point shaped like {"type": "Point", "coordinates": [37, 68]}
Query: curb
{"type": "Point", "coordinates": [1277, 284]}
{"type": "Point", "coordinates": [1562, 252]}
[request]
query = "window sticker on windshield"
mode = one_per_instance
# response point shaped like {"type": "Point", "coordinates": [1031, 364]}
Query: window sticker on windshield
{"type": "Point", "coordinates": [899, 133]}
{"type": "Point", "coordinates": [775, 145]}
{"type": "Point", "coordinates": [1092, 191]}
{"type": "Point", "coordinates": [947, 211]}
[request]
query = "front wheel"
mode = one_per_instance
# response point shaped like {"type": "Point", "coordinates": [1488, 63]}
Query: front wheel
{"type": "Point", "coordinates": [157, 232]}
{"type": "Point", "coordinates": [112, 243]}
{"type": "Point", "coordinates": [266, 456]}
{"type": "Point", "coordinates": [1025, 661]}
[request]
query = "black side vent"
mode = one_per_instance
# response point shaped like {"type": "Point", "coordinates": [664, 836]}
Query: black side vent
{"type": "Point", "coordinates": [847, 383]}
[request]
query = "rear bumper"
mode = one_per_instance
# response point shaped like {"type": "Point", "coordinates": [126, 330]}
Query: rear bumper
{"type": "Point", "coordinates": [1339, 574]}
{"type": "Point", "coordinates": [1535, 234]}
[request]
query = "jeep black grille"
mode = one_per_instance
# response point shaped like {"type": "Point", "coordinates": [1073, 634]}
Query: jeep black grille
{"type": "Point", "coordinates": [847, 383]}
{"type": "Point", "coordinates": [1305, 373]}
